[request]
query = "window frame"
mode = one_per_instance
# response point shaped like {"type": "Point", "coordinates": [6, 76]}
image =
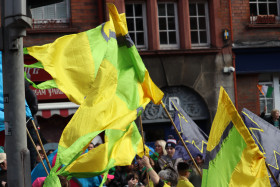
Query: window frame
{"type": "Point", "coordinates": [257, 2]}
{"type": "Point", "coordinates": [263, 99]}
{"type": "Point", "coordinates": [274, 81]}
{"type": "Point", "coordinates": [55, 20]}
{"type": "Point", "coordinates": [206, 9]}
{"type": "Point", "coordinates": [169, 46]}
{"type": "Point", "coordinates": [144, 16]}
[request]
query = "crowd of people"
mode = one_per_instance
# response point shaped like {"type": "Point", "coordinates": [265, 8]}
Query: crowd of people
{"type": "Point", "coordinates": [158, 170]}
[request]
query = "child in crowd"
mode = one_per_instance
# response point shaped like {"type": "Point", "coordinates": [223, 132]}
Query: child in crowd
{"type": "Point", "coordinates": [184, 173]}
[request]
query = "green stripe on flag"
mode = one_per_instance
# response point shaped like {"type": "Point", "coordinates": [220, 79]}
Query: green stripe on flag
{"type": "Point", "coordinates": [221, 168]}
{"type": "Point", "coordinates": [269, 91]}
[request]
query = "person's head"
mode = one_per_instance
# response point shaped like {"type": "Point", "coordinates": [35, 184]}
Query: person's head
{"type": "Point", "coordinates": [170, 146]}
{"type": "Point", "coordinates": [168, 176]}
{"type": "Point", "coordinates": [41, 153]}
{"type": "Point", "coordinates": [90, 146]}
{"type": "Point", "coordinates": [3, 161]}
{"type": "Point", "coordinates": [198, 159]}
{"type": "Point", "coordinates": [133, 176]}
{"type": "Point", "coordinates": [160, 147]}
{"type": "Point", "coordinates": [275, 114]}
{"type": "Point", "coordinates": [184, 169]}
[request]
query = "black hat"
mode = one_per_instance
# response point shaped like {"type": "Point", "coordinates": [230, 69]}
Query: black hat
{"type": "Point", "coordinates": [171, 142]}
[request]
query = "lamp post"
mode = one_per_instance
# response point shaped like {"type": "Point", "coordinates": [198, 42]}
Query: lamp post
{"type": "Point", "coordinates": [14, 23]}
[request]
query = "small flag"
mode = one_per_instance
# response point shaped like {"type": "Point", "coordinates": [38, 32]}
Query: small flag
{"type": "Point", "coordinates": [265, 90]}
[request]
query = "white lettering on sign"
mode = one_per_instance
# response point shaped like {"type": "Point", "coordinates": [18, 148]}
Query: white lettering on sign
{"type": "Point", "coordinates": [36, 71]}
{"type": "Point", "coordinates": [54, 91]}
{"type": "Point", "coordinates": [27, 70]}
{"type": "Point", "coordinates": [40, 92]}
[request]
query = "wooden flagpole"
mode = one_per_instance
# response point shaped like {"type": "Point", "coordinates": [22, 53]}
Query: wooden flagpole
{"type": "Point", "coordinates": [41, 144]}
{"type": "Point", "coordinates": [37, 151]}
{"type": "Point", "coordinates": [181, 139]}
{"type": "Point", "coordinates": [273, 177]}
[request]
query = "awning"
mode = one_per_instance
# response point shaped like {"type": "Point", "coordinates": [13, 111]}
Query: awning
{"type": "Point", "coordinates": [46, 110]}
{"type": "Point", "coordinates": [257, 60]}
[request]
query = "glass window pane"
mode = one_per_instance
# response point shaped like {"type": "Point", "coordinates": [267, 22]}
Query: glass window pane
{"type": "Point", "coordinates": [192, 9]}
{"type": "Point", "coordinates": [193, 23]}
{"type": "Point", "coordinates": [161, 9]}
{"type": "Point", "coordinates": [262, 0]}
{"type": "Point", "coordinates": [162, 23]}
{"type": "Point", "coordinates": [172, 37]}
{"type": "Point", "coordinates": [252, 0]}
{"type": "Point", "coordinates": [171, 23]}
{"type": "Point", "coordinates": [262, 9]}
{"type": "Point", "coordinates": [37, 13]}
{"type": "Point", "coordinates": [130, 24]}
{"type": "Point", "coordinates": [170, 10]}
{"type": "Point", "coordinates": [129, 10]}
{"type": "Point", "coordinates": [202, 23]}
{"type": "Point", "coordinates": [139, 24]}
{"type": "Point", "coordinates": [132, 36]}
{"type": "Point", "coordinates": [138, 10]}
{"type": "Point", "coordinates": [163, 37]}
{"type": "Point", "coordinates": [49, 12]}
{"type": "Point", "coordinates": [201, 9]}
{"type": "Point", "coordinates": [61, 10]}
{"type": "Point", "coordinates": [273, 9]}
{"type": "Point", "coordinates": [140, 38]}
{"type": "Point", "coordinates": [203, 37]}
{"type": "Point", "coordinates": [194, 37]}
{"type": "Point", "coordinates": [253, 9]}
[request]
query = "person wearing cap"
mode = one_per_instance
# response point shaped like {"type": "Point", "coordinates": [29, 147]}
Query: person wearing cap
{"type": "Point", "coordinates": [167, 160]}
{"type": "Point", "coordinates": [3, 172]}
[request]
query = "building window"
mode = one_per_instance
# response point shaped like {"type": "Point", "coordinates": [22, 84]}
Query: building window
{"type": "Point", "coordinates": [168, 25]}
{"type": "Point", "coordinates": [265, 101]}
{"type": "Point", "coordinates": [136, 23]}
{"type": "Point", "coordinates": [271, 101]}
{"type": "Point", "coordinates": [54, 13]}
{"type": "Point", "coordinates": [263, 7]}
{"type": "Point", "coordinates": [199, 24]}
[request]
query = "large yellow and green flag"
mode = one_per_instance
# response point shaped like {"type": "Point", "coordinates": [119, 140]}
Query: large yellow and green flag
{"type": "Point", "coordinates": [232, 158]}
{"type": "Point", "coordinates": [101, 70]}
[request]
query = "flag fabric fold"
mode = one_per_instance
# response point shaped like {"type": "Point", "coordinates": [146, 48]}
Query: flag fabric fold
{"type": "Point", "coordinates": [195, 139]}
{"type": "Point", "coordinates": [267, 137]}
{"type": "Point", "coordinates": [101, 70]}
{"type": "Point", "coordinates": [232, 158]}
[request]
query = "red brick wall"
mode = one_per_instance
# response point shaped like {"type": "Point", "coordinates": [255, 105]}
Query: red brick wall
{"type": "Point", "coordinates": [241, 21]}
{"type": "Point", "coordinates": [247, 93]}
{"type": "Point", "coordinates": [84, 14]}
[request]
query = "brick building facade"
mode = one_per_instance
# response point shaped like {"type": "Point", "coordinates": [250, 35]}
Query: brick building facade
{"type": "Point", "coordinates": [256, 48]}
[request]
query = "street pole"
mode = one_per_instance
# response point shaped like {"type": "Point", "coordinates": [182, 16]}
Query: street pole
{"type": "Point", "coordinates": [14, 24]}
